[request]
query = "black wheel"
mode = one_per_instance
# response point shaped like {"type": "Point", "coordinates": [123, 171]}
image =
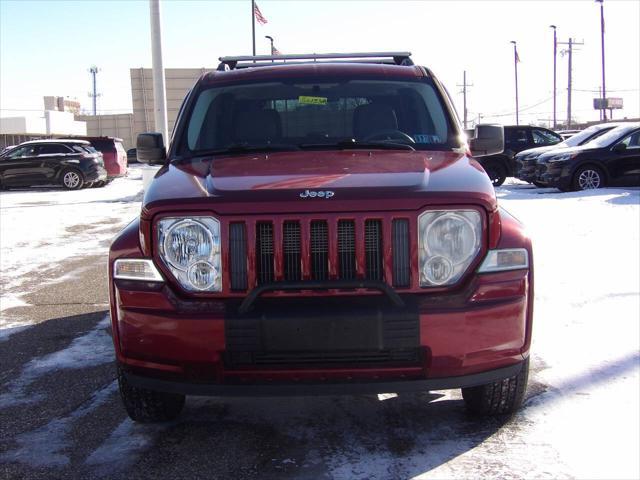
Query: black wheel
{"type": "Point", "coordinates": [588, 177]}
{"type": "Point", "coordinates": [148, 406]}
{"type": "Point", "coordinates": [538, 184]}
{"type": "Point", "coordinates": [498, 398]}
{"type": "Point", "coordinates": [496, 173]}
{"type": "Point", "coordinates": [71, 179]}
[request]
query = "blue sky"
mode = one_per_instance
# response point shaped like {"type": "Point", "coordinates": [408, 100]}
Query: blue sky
{"type": "Point", "coordinates": [46, 47]}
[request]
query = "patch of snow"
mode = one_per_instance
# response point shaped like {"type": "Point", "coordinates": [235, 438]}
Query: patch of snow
{"type": "Point", "coordinates": [91, 349]}
{"type": "Point", "coordinates": [122, 448]}
{"type": "Point", "coordinates": [44, 446]}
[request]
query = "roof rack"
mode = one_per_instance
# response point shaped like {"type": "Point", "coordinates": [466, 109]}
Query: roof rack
{"type": "Point", "coordinates": [389, 58]}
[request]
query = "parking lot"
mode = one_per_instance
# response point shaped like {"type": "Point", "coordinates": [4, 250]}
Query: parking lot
{"type": "Point", "coordinates": [60, 415]}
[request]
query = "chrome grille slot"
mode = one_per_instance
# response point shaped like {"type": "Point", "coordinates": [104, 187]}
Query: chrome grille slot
{"type": "Point", "coordinates": [346, 249]}
{"type": "Point", "coordinates": [401, 258]}
{"type": "Point", "coordinates": [373, 249]}
{"type": "Point", "coordinates": [291, 250]}
{"type": "Point", "coordinates": [264, 252]}
{"type": "Point", "coordinates": [238, 256]}
{"type": "Point", "coordinates": [319, 250]}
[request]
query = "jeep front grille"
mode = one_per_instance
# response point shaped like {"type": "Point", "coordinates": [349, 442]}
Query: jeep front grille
{"type": "Point", "coordinates": [319, 249]}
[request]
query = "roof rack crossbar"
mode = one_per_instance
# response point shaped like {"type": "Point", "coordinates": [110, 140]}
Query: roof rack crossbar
{"type": "Point", "coordinates": [230, 63]}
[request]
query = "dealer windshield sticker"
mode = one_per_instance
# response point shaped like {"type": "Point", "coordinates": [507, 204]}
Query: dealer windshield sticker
{"type": "Point", "coordinates": [423, 138]}
{"type": "Point", "coordinates": [312, 100]}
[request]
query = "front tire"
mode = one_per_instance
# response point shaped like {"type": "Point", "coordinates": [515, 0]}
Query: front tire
{"type": "Point", "coordinates": [498, 398]}
{"type": "Point", "coordinates": [148, 406]}
{"type": "Point", "coordinates": [496, 172]}
{"type": "Point", "coordinates": [588, 177]}
{"type": "Point", "coordinates": [71, 179]}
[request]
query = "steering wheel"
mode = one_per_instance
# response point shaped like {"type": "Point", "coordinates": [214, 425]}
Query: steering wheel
{"type": "Point", "coordinates": [389, 135]}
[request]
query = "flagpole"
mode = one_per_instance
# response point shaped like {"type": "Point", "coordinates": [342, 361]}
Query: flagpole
{"type": "Point", "coordinates": [515, 64]}
{"type": "Point", "coordinates": [253, 25]}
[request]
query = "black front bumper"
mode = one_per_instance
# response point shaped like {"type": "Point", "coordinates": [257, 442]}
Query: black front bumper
{"type": "Point", "coordinates": [329, 388]}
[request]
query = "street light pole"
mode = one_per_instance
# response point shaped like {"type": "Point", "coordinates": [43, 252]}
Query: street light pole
{"type": "Point", "coordinates": [271, 40]}
{"type": "Point", "coordinates": [159, 88]}
{"type": "Point", "coordinates": [555, 57]}
{"type": "Point", "coordinates": [515, 64]}
{"type": "Point", "coordinates": [604, 88]}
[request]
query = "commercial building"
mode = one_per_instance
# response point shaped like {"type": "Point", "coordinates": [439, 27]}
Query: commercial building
{"type": "Point", "coordinates": [46, 124]}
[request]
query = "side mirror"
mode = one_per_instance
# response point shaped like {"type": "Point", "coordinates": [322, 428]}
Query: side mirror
{"type": "Point", "coordinates": [150, 148]}
{"type": "Point", "coordinates": [488, 139]}
{"type": "Point", "coordinates": [619, 147]}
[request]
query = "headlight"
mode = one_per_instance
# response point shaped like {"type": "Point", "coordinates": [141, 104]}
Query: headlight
{"type": "Point", "coordinates": [190, 248]}
{"type": "Point", "coordinates": [563, 157]}
{"type": "Point", "coordinates": [448, 242]}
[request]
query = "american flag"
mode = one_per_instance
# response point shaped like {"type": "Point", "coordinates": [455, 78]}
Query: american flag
{"type": "Point", "coordinates": [258, 14]}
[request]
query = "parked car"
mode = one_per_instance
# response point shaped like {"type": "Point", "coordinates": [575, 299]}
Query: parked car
{"type": "Point", "coordinates": [612, 158]}
{"type": "Point", "coordinates": [516, 139]}
{"type": "Point", "coordinates": [566, 134]}
{"type": "Point", "coordinates": [317, 227]}
{"type": "Point", "coordinates": [527, 159]}
{"type": "Point", "coordinates": [70, 163]}
{"type": "Point", "coordinates": [115, 156]}
{"type": "Point", "coordinates": [132, 156]}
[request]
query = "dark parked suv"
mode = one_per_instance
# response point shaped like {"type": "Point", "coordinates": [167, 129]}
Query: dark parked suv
{"type": "Point", "coordinates": [613, 158]}
{"type": "Point", "coordinates": [527, 160]}
{"type": "Point", "coordinates": [516, 139]}
{"type": "Point", "coordinates": [320, 227]}
{"type": "Point", "coordinates": [70, 163]}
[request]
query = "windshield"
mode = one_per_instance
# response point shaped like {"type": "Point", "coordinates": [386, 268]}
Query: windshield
{"type": "Point", "coordinates": [318, 114]}
{"type": "Point", "coordinates": [611, 136]}
{"type": "Point", "coordinates": [585, 136]}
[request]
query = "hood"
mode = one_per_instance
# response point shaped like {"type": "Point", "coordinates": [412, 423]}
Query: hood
{"type": "Point", "coordinates": [540, 150]}
{"type": "Point", "coordinates": [559, 151]}
{"type": "Point", "coordinates": [300, 177]}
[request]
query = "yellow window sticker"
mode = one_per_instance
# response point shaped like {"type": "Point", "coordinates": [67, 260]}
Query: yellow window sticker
{"type": "Point", "coordinates": [305, 100]}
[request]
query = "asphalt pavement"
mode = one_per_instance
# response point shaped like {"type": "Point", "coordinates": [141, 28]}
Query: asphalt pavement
{"type": "Point", "coordinates": [61, 416]}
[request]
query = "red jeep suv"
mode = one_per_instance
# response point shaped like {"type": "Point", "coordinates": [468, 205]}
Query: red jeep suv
{"type": "Point", "coordinates": [319, 226]}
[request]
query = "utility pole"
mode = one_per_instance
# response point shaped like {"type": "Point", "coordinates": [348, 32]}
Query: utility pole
{"type": "Point", "coordinates": [516, 59]}
{"type": "Point", "coordinates": [604, 87]}
{"type": "Point", "coordinates": [464, 95]}
{"type": "Point", "coordinates": [571, 43]}
{"type": "Point", "coordinates": [94, 93]}
{"type": "Point", "coordinates": [555, 57]}
{"type": "Point", "coordinates": [159, 88]}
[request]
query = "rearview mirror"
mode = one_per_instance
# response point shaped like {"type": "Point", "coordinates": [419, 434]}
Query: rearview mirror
{"type": "Point", "coordinates": [488, 139]}
{"type": "Point", "coordinates": [619, 147]}
{"type": "Point", "coordinates": [150, 148]}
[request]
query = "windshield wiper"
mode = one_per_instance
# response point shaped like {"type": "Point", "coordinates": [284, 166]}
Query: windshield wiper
{"type": "Point", "coordinates": [352, 143]}
{"type": "Point", "coordinates": [239, 148]}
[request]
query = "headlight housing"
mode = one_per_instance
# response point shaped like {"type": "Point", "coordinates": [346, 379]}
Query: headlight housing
{"type": "Point", "coordinates": [562, 157]}
{"type": "Point", "coordinates": [190, 248]}
{"type": "Point", "coordinates": [448, 241]}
